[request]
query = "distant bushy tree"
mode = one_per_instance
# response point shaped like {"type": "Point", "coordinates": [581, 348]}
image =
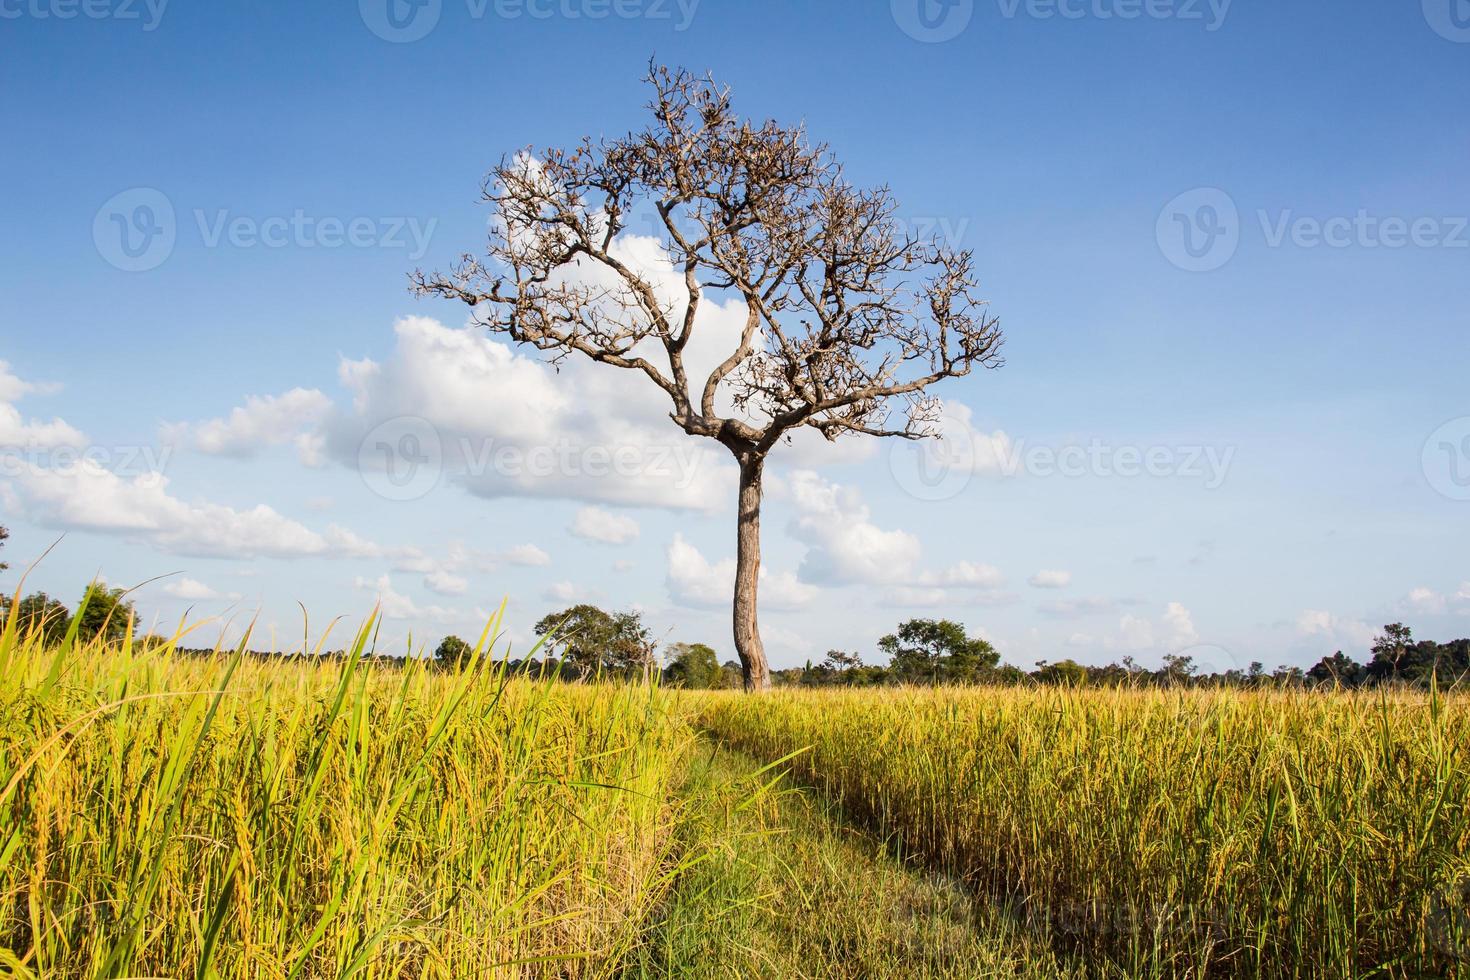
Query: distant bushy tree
{"type": "Point", "coordinates": [693, 665]}
{"type": "Point", "coordinates": [930, 651]}
{"type": "Point", "coordinates": [104, 614]}
{"type": "Point", "coordinates": [4, 536]}
{"type": "Point", "coordinates": [1388, 650]}
{"type": "Point", "coordinates": [1338, 670]}
{"type": "Point", "coordinates": [453, 652]}
{"type": "Point", "coordinates": [1063, 673]}
{"type": "Point", "coordinates": [593, 640]}
{"type": "Point", "coordinates": [40, 614]}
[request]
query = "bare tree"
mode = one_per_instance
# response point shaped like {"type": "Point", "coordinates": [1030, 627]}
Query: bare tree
{"type": "Point", "coordinates": [847, 317]}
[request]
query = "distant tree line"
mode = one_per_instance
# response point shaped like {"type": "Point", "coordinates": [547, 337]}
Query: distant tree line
{"type": "Point", "coordinates": [585, 642]}
{"type": "Point", "coordinates": [103, 615]}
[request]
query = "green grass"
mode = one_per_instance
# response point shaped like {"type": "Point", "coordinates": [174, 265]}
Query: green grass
{"type": "Point", "coordinates": [795, 891]}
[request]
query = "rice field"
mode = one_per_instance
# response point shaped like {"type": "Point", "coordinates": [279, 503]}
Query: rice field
{"type": "Point", "coordinates": [1164, 833]}
{"type": "Point", "coordinates": [166, 815]}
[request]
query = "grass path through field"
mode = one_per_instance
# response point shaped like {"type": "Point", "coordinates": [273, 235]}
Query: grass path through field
{"type": "Point", "coordinates": [794, 891]}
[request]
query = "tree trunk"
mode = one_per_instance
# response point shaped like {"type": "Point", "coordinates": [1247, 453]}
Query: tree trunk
{"type": "Point", "coordinates": [747, 577]}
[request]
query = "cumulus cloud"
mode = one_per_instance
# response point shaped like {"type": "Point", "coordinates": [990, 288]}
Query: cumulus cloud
{"type": "Point", "coordinates": [1336, 630]}
{"type": "Point", "coordinates": [396, 605]}
{"type": "Point", "coordinates": [194, 590]}
{"type": "Point", "coordinates": [1173, 632]}
{"type": "Point", "coordinates": [85, 496]}
{"type": "Point", "coordinates": [445, 582]}
{"type": "Point", "coordinates": [19, 432]}
{"type": "Point", "coordinates": [565, 591]}
{"type": "Point", "coordinates": [261, 422]}
{"type": "Point", "coordinates": [1047, 579]}
{"type": "Point", "coordinates": [508, 424]}
{"type": "Point", "coordinates": [448, 575]}
{"type": "Point", "coordinates": [844, 547]}
{"type": "Point", "coordinates": [1426, 601]}
{"type": "Point", "coordinates": [694, 580]}
{"type": "Point", "coordinates": [596, 524]}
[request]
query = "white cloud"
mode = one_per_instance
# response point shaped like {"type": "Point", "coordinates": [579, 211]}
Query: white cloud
{"type": "Point", "coordinates": [695, 581]}
{"type": "Point", "coordinates": [18, 432]}
{"type": "Point", "coordinates": [843, 546]}
{"type": "Point", "coordinates": [525, 554]}
{"type": "Point", "coordinates": [506, 423]}
{"type": "Point", "coordinates": [84, 496]}
{"type": "Point", "coordinates": [596, 524]}
{"type": "Point", "coordinates": [396, 605]}
{"type": "Point", "coordinates": [192, 589]}
{"type": "Point", "coordinates": [262, 421]}
{"type": "Point", "coordinates": [1173, 632]}
{"type": "Point", "coordinates": [1425, 600]}
{"type": "Point", "coordinates": [1180, 626]}
{"type": "Point", "coordinates": [1046, 579]}
{"type": "Point", "coordinates": [1337, 631]}
{"type": "Point", "coordinates": [565, 591]}
{"type": "Point", "coordinates": [446, 583]}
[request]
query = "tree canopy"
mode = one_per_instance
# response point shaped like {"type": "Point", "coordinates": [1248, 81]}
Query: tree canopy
{"type": "Point", "coordinates": [593, 640]}
{"type": "Point", "coordinates": [937, 651]}
{"type": "Point", "coordinates": [848, 318]}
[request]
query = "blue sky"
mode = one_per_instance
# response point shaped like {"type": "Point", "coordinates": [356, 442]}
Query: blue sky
{"type": "Point", "coordinates": [1308, 335]}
